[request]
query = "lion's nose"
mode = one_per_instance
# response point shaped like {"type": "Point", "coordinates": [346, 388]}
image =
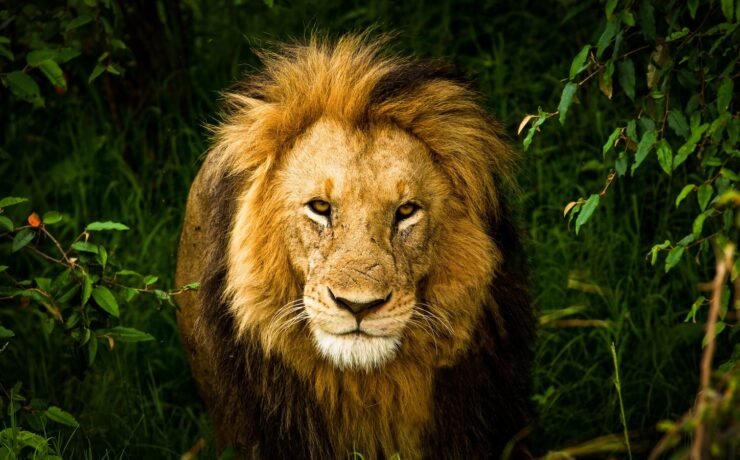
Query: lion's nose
{"type": "Point", "coordinates": [359, 309]}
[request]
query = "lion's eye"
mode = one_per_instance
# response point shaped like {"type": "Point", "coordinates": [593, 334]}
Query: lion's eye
{"type": "Point", "coordinates": [320, 207]}
{"type": "Point", "coordinates": [405, 211]}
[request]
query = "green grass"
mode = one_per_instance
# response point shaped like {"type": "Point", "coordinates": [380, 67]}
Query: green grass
{"type": "Point", "coordinates": [138, 401]}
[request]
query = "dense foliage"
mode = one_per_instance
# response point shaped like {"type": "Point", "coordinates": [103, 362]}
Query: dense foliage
{"type": "Point", "coordinates": [635, 142]}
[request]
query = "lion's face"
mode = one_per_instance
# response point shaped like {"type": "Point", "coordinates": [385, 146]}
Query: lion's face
{"type": "Point", "coordinates": [362, 213]}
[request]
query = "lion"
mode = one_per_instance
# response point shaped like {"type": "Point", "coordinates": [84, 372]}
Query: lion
{"type": "Point", "coordinates": [363, 288]}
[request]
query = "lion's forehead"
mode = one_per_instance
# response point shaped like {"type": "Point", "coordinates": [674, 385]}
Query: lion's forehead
{"type": "Point", "coordinates": [371, 168]}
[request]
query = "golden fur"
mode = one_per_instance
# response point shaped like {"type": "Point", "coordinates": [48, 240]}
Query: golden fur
{"type": "Point", "coordinates": [344, 97]}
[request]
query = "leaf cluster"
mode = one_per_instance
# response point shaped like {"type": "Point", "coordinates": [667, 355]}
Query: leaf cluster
{"type": "Point", "coordinates": [76, 290]}
{"type": "Point", "coordinates": [40, 45]}
{"type": "Point", "coordinates": [670, 69]}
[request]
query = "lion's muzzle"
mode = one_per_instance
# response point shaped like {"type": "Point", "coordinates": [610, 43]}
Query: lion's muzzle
{"type": "Point", "coordinates": [359, 308]}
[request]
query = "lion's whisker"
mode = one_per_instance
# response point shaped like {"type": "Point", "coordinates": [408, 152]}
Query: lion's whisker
{"type": "Point", "coordinates": [426, 327]}
{"type": "Point", "coordinates": [281, 320]}
{"type": "Point", "coordinates": [426, 311]}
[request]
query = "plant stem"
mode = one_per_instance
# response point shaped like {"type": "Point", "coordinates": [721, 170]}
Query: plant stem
{"type": "Point", "coordinates": [618, 385]}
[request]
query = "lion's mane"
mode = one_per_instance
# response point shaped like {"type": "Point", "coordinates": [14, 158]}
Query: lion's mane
{"type": "Point", "coordinates": [275, 401]}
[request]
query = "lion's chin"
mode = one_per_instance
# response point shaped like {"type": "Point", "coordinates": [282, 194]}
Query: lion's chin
{"type": "Point", "coordinates": [356, 350]}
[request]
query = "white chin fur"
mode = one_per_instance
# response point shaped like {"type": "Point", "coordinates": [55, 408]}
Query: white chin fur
{"type": "Point", "coordinates": [355, 351]}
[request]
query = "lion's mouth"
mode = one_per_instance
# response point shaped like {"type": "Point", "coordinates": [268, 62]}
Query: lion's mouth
{"type": "Point", "coordinates": [356, 349]}
{"type": "Point", "coordinates": [361, 333]}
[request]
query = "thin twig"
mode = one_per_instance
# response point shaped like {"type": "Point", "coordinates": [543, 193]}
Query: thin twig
{"type": "Point", "coordinates": [56, 243]}
{"type": "Point", "coordinates": [47, 257]}
{"type": "Point", "coordinates": [724, 260]}
{"type": "Point", "coordinates": [610, 178]}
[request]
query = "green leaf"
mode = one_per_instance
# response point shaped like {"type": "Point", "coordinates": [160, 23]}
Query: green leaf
{"type": "Point", "coordinates": [97, 71]}
{"type": "Point", "coordinates": [577, 66]}
{"type": "Point", "coordinates": [79, 21]}
{"type": "Point", "coordinates": [118, 44]}
{"type": "Point", "coordinates": [724, 95]}
{"type": "Point", "coordinates": [9, 201]}
{"type": "Point", "coordinates": [632, 130]}
{"type": "Point", "coordinates": [32, 440]}
{"type": "Point", "coordinates": [627, 78]}
{"type": "Point", "coordinates": [655, 249]}
{"type": "Point", "coordinates": [16, 436]}
{"type": "Point", "coordinates": [102, 256]}
{"type": "Point", "coordinates": [565, 100]}
{"type": "Point", "coordinates": [674, 257]}
{"type": "Point", "coordinates": [703, 195]}
{"type": "Point", "coordinates": [36, 57]}
{"type": "Point", "coordinates": [191, 286]}
{"type": "Point", "coordinates": [606, 36]}
{"type": "Point", "coordinates": [104, 298]}
{"type": "Point", "coordinates": [678, 34]}
{"type": "Point", "coordinates": [729, 174]}
{"type": "Point", "coordinates": [51, 217]}
{"type": "Point", "coordinates": [126, 334]}
{"type": "Point", "coordinates": [162, 295]}
{"type": "Point", "coordinates": [53, 73]}
{"type": "Point", "coordinates": [718, 328]}
{"type": "Point", "coordinates": [643, 148]}
{"type": "Point", "coordinates": [25, 88]}
{"type": "Point", "coordinates": [66, 54]}
{"type": "Point", "coordinates": [43, 283]}
{"type": "Point", "coordinates": [113, 69]}
{"type": "Point", "coordinates": [6, 333]}
{"type": "Point", "coordinates": [693, 6]}
{"type": "Point", "coordinates": [58, 415]}
{"type": "Point", "coordinates": [128, 293]}
{"type": "Point", "coordinates": [6, 223]}
{"type": "Point", "coordinates": [92, 351]}
{"type": "Point", "coordinates": [698, 224]}
{"type": "Point", "coordinates": [150, 279]}
{"type": "Point", "coordinates": [665, 156]}
{"type": "Point", "coordinates": [68, 295]}
{"type": "Point", "coordinates": [647, 20]}
{"type": "Point", "coordinates": [695, 308]}
{"type": "Point", "coordinates": [686, 240]}
{"type": "Point", "coordinates": [611, 142]}
{"type": "Point", "coordinates": [84, 246]}
{"type": "Point", "coordinates": [688, 148]}
{"type": "Point", "coordinates": [609, 10]}
{"type": "Point", "coordinates": [628, 18]}
{"type": "Point", "coordinates": [21, 239]}
{"type": "Point", "coordinates": [621, 163]}
{"type": "Point", "coordinates": [684, 193]}
{"type": "Point", "coordinates": [728, 9]}
{"type": "Point", "coordinates": [4, 51]}
{"type": "Point", "coordinates": [587, 210]}
{"type": "Point", "coordinates": [605, 79]}
{"type": "Point", "coordinates": [103, 226]}
{"type": "Point", "coordinates": [541, 118]}
{"type": "Point", "coordinates": [677, 122]}
{"type": "Point", "coordinates": [87, 288]}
